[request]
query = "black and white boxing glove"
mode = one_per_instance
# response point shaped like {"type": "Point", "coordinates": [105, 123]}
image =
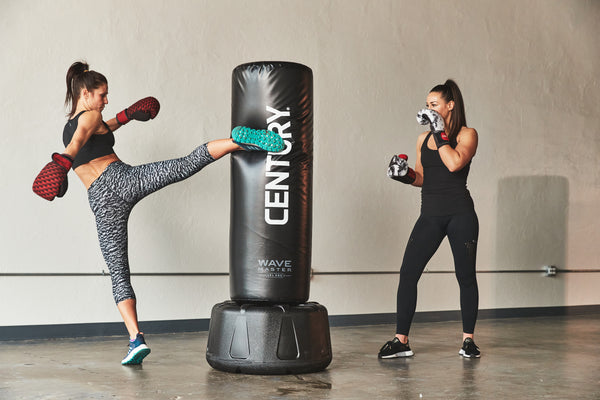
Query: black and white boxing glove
{"type": "Point", "coordinates": [436, 125]}
{"type": "Point", "coordinates": [399, 170]}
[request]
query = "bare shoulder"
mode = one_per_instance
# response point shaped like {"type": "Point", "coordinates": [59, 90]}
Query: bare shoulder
{"type": "Point", "coordinates": [421, 138]}
{"type": "Point", "coordinates": [467, 133]}
{"type": "Point", "coordinates": [91, 116]}
{"type": "Point", "coordinates": [91, 121]}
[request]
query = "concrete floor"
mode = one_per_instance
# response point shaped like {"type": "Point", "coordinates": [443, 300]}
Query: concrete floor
{"type": "Point", "coordinates": [534, 358]}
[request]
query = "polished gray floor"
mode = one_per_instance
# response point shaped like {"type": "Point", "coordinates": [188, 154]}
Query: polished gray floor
{"type": "Point", "coordinates": [534, 358]}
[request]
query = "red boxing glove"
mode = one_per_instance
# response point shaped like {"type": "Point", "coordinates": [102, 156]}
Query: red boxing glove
{"type": "Point", "coordinates": [142, 110]}
{"type": "Point", "coordinates": [52, 179]}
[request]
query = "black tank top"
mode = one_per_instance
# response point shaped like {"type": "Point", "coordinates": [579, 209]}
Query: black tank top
{"type": "Point", "coordinates": [443, 192]}
{"type": "Point", "coordinates": [96, 146]}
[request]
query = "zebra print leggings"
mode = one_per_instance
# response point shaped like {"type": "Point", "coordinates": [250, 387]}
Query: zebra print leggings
{"type": "Point", "coordinates": [112, 197]}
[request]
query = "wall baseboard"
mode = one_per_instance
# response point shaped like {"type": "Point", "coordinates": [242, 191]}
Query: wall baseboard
{"type": "Point", "coordinates": [443, 316]}
{"type": "Point", "coordinates": [37, 332]}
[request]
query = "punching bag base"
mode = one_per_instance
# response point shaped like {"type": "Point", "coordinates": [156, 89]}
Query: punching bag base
{"type": "Point", "coordinates": [269, 339]}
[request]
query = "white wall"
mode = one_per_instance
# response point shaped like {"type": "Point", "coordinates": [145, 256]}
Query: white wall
{"type": "Point", "coordinates": [529, 75]}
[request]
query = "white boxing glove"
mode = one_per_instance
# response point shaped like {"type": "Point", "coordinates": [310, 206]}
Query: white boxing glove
{"type": "Point", "coordinates": [436, 125]}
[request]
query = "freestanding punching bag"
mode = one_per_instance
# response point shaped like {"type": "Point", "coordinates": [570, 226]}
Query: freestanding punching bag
{"type": "Point", "coordinates": [268, 327]}
{"type": "Point", "coordinates": [271, 196]}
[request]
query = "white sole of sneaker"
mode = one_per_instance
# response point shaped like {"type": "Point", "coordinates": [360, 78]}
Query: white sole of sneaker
{"type": "Point", "coordinates": [400, 354]}
{"type": "Point", "coordinates": [136, 356]}
{"type": "Point", "coordinates": [464, 354]}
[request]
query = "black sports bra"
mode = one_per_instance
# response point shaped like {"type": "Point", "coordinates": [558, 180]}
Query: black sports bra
{"type": "Point", "coordinates": [97, 145]}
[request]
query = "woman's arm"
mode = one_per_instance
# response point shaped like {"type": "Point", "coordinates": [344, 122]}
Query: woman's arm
{"type": "Point", "coordinates": [141, 110]}
{"type": "Point", "coordinates": [456, 159]}
{"type": "Point", "coordinates": [113, 124]}
{"type": "Point", "coordinates": [418, 166]}
{"type": "Point", "coordinates": [52, 181]}
{"type": "Point", "coordinates": [89, 123]}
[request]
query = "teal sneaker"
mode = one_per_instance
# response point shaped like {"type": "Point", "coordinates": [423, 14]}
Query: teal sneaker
{"type": "Point", "coordinates": [257, 140]}
{"type": "Point", "coordinates": [138, 350]}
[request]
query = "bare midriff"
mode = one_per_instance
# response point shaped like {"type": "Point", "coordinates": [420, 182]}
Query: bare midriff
{"type": "Point", "coordinates": [89, 172]}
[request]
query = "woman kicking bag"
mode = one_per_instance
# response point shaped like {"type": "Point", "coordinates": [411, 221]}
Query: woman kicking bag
{"type": "Point", "coordinates": [113, 186]}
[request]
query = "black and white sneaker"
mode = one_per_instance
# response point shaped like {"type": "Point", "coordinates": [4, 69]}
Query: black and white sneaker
{"type": "Point", "coordinates": [394, 349]}
{"type": "Point", "coordinates": [469, 349]}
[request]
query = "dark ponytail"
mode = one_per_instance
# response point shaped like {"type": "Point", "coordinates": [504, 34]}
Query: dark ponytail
{"type": "Point", "coordinates": [80, 77]}
{"type": "Point", "coordinates": [458, 119]}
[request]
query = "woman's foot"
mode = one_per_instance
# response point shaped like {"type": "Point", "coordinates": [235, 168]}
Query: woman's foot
{"type": "Point", "coordinates": [394, 349]}
{"type": "Point", "coordinates": [469, 349]}
{"type": "Point", "coordinates": [255, 139]}
{"type": "Point", "coordinates": [138, 350]}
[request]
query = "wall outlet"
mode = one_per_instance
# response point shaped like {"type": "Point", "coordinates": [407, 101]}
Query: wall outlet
{"type": "Point", "coordinates": [550, 270]}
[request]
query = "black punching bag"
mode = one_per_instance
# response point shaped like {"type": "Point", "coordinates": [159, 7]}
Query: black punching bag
{"type": "Point", "coordinates": [269, 328]}
{"type": "Point", "coordinates": [271, 193]}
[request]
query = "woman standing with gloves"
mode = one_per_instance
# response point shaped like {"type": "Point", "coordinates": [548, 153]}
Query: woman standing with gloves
{"type": "Point", "coordinates": [443, 161]}
{"type": "Point", "coordinates": [115, 187]}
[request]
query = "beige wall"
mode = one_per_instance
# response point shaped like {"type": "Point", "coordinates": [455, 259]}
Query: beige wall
{"type": "Point", "coordinates": [529, 75]}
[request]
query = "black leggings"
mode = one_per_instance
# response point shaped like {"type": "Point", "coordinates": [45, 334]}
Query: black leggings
{"type": "Point", "coordinates": [427, 235]}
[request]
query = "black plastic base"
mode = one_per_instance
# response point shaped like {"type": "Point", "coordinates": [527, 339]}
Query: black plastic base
{"type": "Point", "coordinates": [269, 339]}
